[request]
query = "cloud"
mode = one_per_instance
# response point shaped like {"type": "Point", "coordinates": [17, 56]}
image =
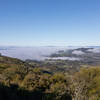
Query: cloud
{"type": "Point", "coordinates": [77, 52]}
{"type": "Point", "coordinates": [94, 50]}
{"type": "Point", "coordinates": [35, 53]}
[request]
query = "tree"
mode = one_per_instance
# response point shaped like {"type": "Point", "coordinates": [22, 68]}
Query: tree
{"type": "Point", "coordinates": [87, 84]}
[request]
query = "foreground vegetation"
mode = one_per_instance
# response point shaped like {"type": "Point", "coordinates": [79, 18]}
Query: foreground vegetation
{"type": "Point", "coordinates": [22, 81]}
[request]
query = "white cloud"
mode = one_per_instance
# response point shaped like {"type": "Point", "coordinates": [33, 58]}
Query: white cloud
{"type": "Point", "coordinates": [95, 50]}
{"type": "Point", "coordinates": [77, 52]}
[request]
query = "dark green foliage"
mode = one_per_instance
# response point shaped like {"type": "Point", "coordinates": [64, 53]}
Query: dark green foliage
{"type": "Point", "coordinates": [15, 93]}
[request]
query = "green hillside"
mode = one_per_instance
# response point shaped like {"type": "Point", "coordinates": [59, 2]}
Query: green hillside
{"type": "Point", "coordinates": [21, 80]}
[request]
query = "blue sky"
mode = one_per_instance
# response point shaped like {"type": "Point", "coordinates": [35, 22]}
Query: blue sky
{"type": "Point", "coordinates": [49, 22]}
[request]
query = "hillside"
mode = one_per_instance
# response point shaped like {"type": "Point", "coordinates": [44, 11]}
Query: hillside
{"type": "Point", "coordinates": [21, 80]}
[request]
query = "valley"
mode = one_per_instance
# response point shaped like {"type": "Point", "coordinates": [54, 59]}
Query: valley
{"type": "Point", "coordinates": [51, 78]}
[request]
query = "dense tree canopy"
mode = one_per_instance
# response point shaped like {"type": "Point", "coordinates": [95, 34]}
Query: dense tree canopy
{"type": "Point", "coordinates": [21, 81]}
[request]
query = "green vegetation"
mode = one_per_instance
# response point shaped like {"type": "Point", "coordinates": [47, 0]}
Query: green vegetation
{"type": "Point", "coordinates": [34, 81]}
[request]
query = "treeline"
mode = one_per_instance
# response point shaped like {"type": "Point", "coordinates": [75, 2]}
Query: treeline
{"type": "Point", "coordinates": [36, 84]}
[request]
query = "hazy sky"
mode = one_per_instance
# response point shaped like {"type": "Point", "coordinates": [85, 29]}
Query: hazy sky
{"type": "Point", "coordinates": [49, 22]}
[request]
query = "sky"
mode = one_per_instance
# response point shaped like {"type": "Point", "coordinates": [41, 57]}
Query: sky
{"type": "Point", "coordinates": [50, 22]}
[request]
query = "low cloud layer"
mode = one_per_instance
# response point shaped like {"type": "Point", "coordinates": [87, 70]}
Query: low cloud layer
{"type": "Point", "coordinates": [94, 50]}
{"type": "Point", "coordinates": [35, 53]}
{"type": "Point", "coordinates": [77, 52]}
